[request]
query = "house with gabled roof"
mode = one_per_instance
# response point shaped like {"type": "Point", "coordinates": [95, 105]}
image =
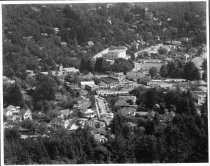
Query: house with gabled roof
{"type": "Point", "coordinates": [71, 124]}
{"type": "Point", "coordinates": [73, 127]}
{"type": "Point", "coordinates": [7, 112]}
{"type": "Point", "coordinates": [26, 114]}
{"type": "Point", "coordinates": [65, 113]}
{"type": "Point", "coordinates": [100, 138]}
{"type": "Point", "coordinates": [131, 125]}
{"type": "Point", "coordinates": [13, 109]}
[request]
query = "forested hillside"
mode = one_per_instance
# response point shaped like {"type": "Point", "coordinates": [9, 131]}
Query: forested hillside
{"type": "Point", "coordinates": [40, 41]}
{"type": "Point", "coordinates": [30, 41]}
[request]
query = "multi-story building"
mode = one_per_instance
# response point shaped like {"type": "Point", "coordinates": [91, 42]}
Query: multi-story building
{"type": "Point", "coordinates": [115, 54]}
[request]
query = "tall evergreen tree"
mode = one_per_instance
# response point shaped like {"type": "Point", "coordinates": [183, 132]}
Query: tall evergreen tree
{"type": "Point", "coordinates": [191, 72]}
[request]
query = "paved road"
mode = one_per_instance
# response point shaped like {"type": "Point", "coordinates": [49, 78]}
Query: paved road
{"type": "Point", "coordinates": [101, 106]}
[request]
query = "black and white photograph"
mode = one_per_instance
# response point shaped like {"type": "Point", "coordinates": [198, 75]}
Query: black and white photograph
{"type": "Point", "coordinates": [91, 82]}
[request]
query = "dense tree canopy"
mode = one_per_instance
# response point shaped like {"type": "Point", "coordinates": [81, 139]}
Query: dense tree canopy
{"type": "Point", "coordinates": [86, 64]}
{"type": "Point", "coordinates": [153, 71]}
{"type": "Point", "coordinates": [12, 95]}
{"type": "Point", "coordinates": [191, 72]}
{"type": "Point", "coordinates": [46, 87]}
{"type": "Point", "coordinates": [102, 65]}
{"type": "Point", "coordinates": [122, 65]}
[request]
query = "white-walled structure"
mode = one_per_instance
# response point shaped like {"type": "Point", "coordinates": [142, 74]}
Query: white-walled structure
{"type": "Point", "coordinates": [114, 54]}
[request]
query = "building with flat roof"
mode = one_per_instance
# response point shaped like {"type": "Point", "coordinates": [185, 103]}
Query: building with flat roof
{"type": "Point", "coordinates": [89, 83]}
{"type": "Point", "coordinates": [112, 53]}
{"type": "Point", "coordinates": [105, 92]}
{"type": "Point", "coordinates": [115, 54]}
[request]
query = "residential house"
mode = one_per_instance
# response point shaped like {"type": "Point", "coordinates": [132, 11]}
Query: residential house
{"type": "Point", "coordinates": [100, 138]}
{"type": "Point", "coordinates": [95, 124]}
{"type": "Point", "coordinates": [89, 113]}
{"type": "Point", "coordinates": [121, 103]}
{"type": "Point", "coordinates": [13, 109]}
{"type": "Point", "coordinates": [5, 78]}
{"type": "Point", "coordinates": [160, 83]}
{"type": "Point", "coordinates": [88, 76]}
{"type": "Point", "coordinates": [44, 34]}
{"type": "Point", "coordinates": [137, 67]}
{"type": "Point", "coordinates": [11, 117]}
{"type": "Point", "coordinates": [124, 103]}
{"type": "Point", "coordinates": [142, 114]}
{"type": "Point", "coordinates": [8, 80]}
{"type": "Point", "coordinates": [30, 73]}
{"type": "Point", "coordinates": [7, 113]}
{"type": "Point", "coordinates": [28, 38]}
{"type": "Point", "coordinates": [203, 89]}
{"type": "Point", "coordinates": [73, 127]}
{"type": "Point", "coordinates": [175, 80]}
{"type": "Point", "coordinates": [127, 111]}
{"type": "Point", "coordinates": [167, 117]}
{"type": "Point", "coordinates": [90, 43]}
{"type": "Point", "coordinates": [197, 83]}
{"type": "Point", "coordinates": [81, 122]}
{"type": "Point", "coordinates": [70, 124]}
{"type": "Point", "coordinates": [132, 75]}
{"type": "Point", "coordinates": [56, 30]}
{"type": "Point", "coordinates": [64, 44]}
{"type": "Point", "coordinates": [65, 113]}
{"type": "Point", "coordinates": [110, 80]}
{"type": "Point", "coordinates": [12, 113]}
{"type": "Point", "coordinates": [131, 99]}
{"type": "Point", "coordinates": [131, 125]}
{"type": "Point", "coordinates": [44, 73]}
{"type": "Point", "coordinates": [147, 66]}
{"type": "Point", "coordinates": [15, 118]}
{"type": "Point", "coordinates": [91, 87]}
{"type": "Point", "coordinates": [146, 115]}
{"type": "Point", "coordinates": [199, 97]}
{"type": "Point", "coordinates": [84, 83]}
{"type": "Point", "coordinates": [70, 70]}
{"type": "Point", "coordinates": [26, 114]}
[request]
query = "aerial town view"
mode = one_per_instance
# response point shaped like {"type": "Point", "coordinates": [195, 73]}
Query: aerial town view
{"type": "Point", "coordinates": [105, 83]}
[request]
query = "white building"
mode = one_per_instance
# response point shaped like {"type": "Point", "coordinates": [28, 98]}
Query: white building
{"type": "Point", "coordinates": [112, 53]}
{"type": "Point", "coordinates": [105, 92]}
{"type": "Point", "coordinates": [70, 70]}
{"type": "Point", "coordinates": [89, 113]}
{"type": "Point", "coordinates": [56, 30]}
{"type": "Point", "coordinates": [88, 83]}
{"type": "Point", "coordinates": [199, 97]}
{"type": "Point", "coordinates": [115, 53]}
